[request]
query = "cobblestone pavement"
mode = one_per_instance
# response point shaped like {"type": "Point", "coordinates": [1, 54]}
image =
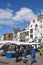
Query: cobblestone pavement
{"type": "Point", "coordinates": [6, 61]}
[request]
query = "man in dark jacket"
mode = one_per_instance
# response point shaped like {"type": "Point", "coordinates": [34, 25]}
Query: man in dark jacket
{"type": "Point", "coordinates": [17, 53]}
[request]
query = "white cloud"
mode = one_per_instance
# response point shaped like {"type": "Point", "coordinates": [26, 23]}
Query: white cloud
{"type": "Point", "coordinates": [7, 17]}
{"type": "Point", "coordinates": [7, 22]}
{"type": "Point", "coordinates": [24, 14]}
{"type": "Point", "coordinates": [5, 13]}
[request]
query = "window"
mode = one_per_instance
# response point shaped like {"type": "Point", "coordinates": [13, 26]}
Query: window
{"type": "Point", "coordinates": [8, 35]}
{"type": "Point", "coordinates": [33, 21]}
{"type": "Point", "coordinates": [31, 36]}
{"type": "Point", "coordinates": [4, 38]}
{"type": "Point", "coordinates": [40, 21]}
{"type": "Point", "coordinates": [31, 30]}
{"type": "Point", "coordinates": [36, 25]}
{"type": "Point", "coordinates": [35, 37]}
{"type": "Point", "coordinates": [27, 33]}
{"type": "Point", "coordinates": [41, 26]}
{"type": "Point", "coordinates": [31, 25]}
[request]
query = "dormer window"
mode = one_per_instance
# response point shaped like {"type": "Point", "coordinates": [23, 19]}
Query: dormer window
{"type": "Point", "coordinates": [33, 21]}
{"type": "Point", "coordinates": [31, 25]}
{"type": "Point", "coordinates": [36, 25]}
{"type": "Point", "coordinates": [41, 21]}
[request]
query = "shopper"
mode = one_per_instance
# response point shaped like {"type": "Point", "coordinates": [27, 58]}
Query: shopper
{"type": "Point", "coordinates": [33, 54]}
{"type": "Point", "coordinates": [24, 56]}
{"type": "Point", "coordinates": [41, 51]}
{"type": "Point", "coordinates": [17, 55]}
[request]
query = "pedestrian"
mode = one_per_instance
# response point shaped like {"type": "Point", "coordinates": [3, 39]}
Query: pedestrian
{"type": "Point", "coordinates": [17, 55]}
{"type": "Point", "coordinates": [24, 55]}
{"type": "Point", "coordinates": [41, 51]}
{"type": "Point", "coordinates": [33, 54]}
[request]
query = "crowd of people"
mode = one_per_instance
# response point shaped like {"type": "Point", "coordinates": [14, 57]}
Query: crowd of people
{"type": "Point", "coordinates": [23, 52]}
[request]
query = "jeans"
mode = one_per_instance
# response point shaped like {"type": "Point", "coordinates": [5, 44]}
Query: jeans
{"type": "Point", "coordinates": [16, 59]}
{"type": "Point", "coordinates": [32, 59]}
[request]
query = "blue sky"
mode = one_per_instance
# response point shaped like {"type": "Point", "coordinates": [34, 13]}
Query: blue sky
{"type": "Point", "coordinates": [18, 13]}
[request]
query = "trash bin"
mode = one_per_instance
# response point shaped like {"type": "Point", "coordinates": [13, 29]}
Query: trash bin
{"type": "Point", "coordinates": [8, 54]}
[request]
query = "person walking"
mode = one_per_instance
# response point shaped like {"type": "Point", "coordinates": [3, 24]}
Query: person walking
{"type": "Point", "coordinates": [33, 55]}
{"type": "Point", "coordinates": [24, 55]}
{"type": "Point", "coordinates": [40, 51]}
{"type": "Point", "coordinates": [17, 53]}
